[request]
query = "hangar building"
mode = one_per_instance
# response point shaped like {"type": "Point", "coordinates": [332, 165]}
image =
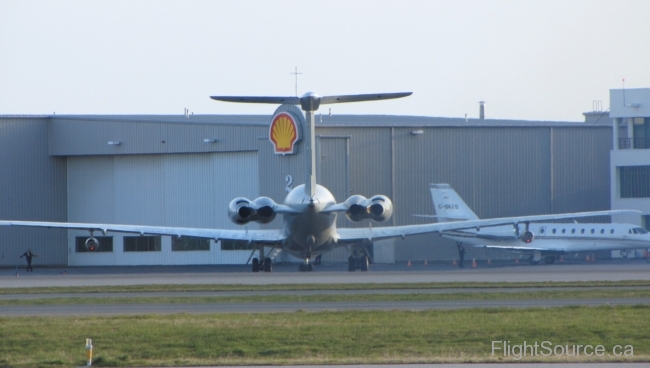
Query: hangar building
{"type": "Point", "coordinates": [184, 170]}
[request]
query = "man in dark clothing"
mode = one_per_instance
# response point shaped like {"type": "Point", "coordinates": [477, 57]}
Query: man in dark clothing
{"type": "Point", "coordinates": [461, 255]}
{"type": "Point", "coordinates": [28, 255]}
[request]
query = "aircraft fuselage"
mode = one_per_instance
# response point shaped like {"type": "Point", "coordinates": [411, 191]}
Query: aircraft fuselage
{"type": "Point", "coordinates": [310, 232]}
{"type": "Point", "coordinates": [572, 237]}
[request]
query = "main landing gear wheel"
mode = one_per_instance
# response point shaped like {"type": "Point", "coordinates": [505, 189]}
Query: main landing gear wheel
{"type": "Point", "coordinates": [352, 264]}
{"type": "Point", "coordinates": [549, 259]}
{"type": "Point", "coordinates": [532, 260]}
{"type": "Point", "coordinates": [306, 267]}
{"type": "Point", "coordinates": [256, 265]}
{"type": "Point", "coordinates": [268, 265]}
{"type": "Point", "coordinates": [362, 263]}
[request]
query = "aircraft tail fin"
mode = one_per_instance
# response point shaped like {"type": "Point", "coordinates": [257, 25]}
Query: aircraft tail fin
{"type": "Point", "coordinates": [448, 205]}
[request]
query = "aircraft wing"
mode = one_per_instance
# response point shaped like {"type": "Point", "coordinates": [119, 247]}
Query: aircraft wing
{"type": "Point", "coordinates": [269, 237]}
{"type": "Point", "coordinates": [523, 248]}
{"type": "Point", "coordinates": [351, 235]}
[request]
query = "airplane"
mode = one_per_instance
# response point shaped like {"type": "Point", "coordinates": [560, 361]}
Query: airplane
{"type": "Point", "coordinates": [547, 240]}
{"type": "Point", "coordinates": [309, 210]}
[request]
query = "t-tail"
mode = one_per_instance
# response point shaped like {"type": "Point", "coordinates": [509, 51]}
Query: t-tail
{"type": "Point", "coordinates": [310, 102]}
{"type": "Point", "coordinates": [448, 205]}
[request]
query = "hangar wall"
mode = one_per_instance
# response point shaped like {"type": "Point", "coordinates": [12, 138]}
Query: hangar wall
{"type": "Point", "coordinates": [499, 170]}
{"type": "Point", "coordinates": [32, 187]}
{"type": "Point", "coordinates": [157, 174]}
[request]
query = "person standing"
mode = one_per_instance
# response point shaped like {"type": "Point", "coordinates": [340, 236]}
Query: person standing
{"type": "Point", "coordinates": [461, 255]}
{"type": "Point", "coordinates": [28, 255]}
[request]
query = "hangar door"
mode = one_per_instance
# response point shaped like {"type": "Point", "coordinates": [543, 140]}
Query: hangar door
{"type": "Point", "coordinates": [185, 190]}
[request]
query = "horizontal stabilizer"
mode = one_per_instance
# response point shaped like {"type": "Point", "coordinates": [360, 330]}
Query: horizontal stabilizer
{"type": "Point", "coordinates": [366, 97]}
{"type": "Point", "coordinates": [259, 99]}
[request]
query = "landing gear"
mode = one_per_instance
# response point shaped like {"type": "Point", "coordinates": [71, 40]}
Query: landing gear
{"type": "Point", "coordinates": [359, 259]}
{"type": "Point", "coordinates": [352, 264]}
{"type": "Point", "coordinates": [532, 260]}
{"type": "Point", "coordinates": [256, 265]}
{"type": "Point", "coordinates": [306, 266]}
{"type": "Point", "coordinates": [549, 259]}
{"type": "Point", "coordinates": [268, 265]}
{"type": "Point", "coordinates": [362, 263]}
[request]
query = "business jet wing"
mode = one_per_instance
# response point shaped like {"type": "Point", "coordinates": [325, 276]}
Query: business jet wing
{"type": "Point", "coordinates": [268, 237]}
{"type": "Point", "coordinates": [524, 248]}
{"type": "Point", "coordinates": [351, 235]}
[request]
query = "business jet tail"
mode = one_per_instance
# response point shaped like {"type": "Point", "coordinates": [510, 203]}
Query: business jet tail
{"type": "Point", "coordinates": [448, 204]}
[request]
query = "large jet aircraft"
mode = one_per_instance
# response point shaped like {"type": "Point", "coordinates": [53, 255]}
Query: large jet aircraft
{"type": "Point", "coordinates": [538, 240]}
{"type": "Point", "coordinates": [309, 211]}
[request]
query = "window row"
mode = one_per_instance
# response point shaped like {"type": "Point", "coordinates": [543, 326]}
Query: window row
{"type": "Point", "coordinates": [153, 244]}
{"type": "Point", "coordinates": [636, 230]}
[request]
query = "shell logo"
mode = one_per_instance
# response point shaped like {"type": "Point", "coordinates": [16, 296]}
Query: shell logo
{"type": "Point", "coordinates": [283, 133]}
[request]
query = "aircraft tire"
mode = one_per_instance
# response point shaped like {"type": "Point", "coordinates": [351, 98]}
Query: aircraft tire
{"type": "Point", "coordinates": [532, 260]}
{"type": "Point", "coordinates": [256, 265]}
{"type": "Point", "coordinates": [364, 263]}
{"type": "Point", "coordinates": [549, 259]}
{"type": "Point", "coordinates": [310, 267]}
{"type": "Point", "coordinates": [352, 264]}
{"type": "Point", "coordinates": [268, 265]}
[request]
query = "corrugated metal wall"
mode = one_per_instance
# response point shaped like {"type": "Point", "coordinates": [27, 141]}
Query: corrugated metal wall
{"type": "Point", "coordinates": [32, 187]}
{"type": "Point", "coordinates": [499, 170]}
{"type": "Point", "coordinates": [191, 190]}
{"type": "Point", "coordinates": [90, 136]}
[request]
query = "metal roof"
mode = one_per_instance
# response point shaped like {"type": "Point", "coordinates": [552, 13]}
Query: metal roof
{"type": "Point", "coordinates": [323, 120]}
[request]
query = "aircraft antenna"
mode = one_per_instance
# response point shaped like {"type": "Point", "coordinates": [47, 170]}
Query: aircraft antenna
{"type": "Point", "coordinates": [296, 74]}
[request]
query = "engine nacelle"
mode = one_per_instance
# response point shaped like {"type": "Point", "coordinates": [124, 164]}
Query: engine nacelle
{"type": "Point", "coordinates": [92, 244]}
{"type": "Point", "coordinates": [357, 208]}
{"type": "Point", "coordinates": [381, 208]}
{"type": "Point", "coordinates": [242, 210]}
{"type": "Point", "coordinates": [378, 208]}
{"type": "Point", "coordinates": [527, 237]}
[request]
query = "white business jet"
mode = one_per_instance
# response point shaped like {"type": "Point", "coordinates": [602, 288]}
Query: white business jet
{"type": "Point", "coordinates": [309, 211]}
{"type": "Point", "coordinates": [539, 240]}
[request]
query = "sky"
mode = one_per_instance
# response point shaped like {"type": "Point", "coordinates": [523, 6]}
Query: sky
{"type": "Point", "coordinates": [532, 60]}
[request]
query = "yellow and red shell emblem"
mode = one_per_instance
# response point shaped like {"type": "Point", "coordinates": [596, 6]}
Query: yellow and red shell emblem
{"type": "Point", "coordinates": [283, 133]}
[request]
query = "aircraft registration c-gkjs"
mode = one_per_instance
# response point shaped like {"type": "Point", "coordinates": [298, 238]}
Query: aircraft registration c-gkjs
{"type": "Point", "coordinates": [309, 211]}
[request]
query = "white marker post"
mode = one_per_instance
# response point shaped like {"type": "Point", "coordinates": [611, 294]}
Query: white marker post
{"type": "Point", "coordinates": [89, 352]}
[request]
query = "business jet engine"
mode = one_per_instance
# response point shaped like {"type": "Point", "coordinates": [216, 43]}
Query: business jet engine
{"type": "Point", "coordinates": [92, 244]}
{"type": "Point", "coordinates": [242, 210]}
{"type": "Point", "coordinates": [378, 208]}
{"type": "Point", "coordinates": [527, 237]}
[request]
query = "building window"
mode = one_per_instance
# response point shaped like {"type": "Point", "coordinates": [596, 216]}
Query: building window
{"type": "Point", "coordinates": [187, 243]}
{"type": "Point", "coordinates": [105, 244]}
{"type": "Point", "coordinates": [635, 181]}
{"type": "Point", "coordinates": [142, 243]}
{"type": "Point", "coordinates": [236, 245]}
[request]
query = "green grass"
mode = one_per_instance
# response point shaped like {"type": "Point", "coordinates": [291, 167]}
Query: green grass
{"type": "Point", "coordinates": [552, 294]}
{"type": "Point", "coordinates": [317, 338]}
{"type": "Point", "coordinates": [286, 287]}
